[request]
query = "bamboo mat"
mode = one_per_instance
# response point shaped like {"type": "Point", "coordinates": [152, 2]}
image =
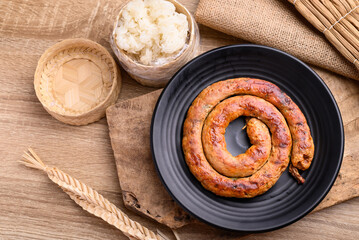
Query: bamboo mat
{"type": "Point", "coordinates": [337, 20]}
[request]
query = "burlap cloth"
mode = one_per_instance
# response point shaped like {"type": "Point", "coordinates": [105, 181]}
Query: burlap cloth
{"type": "Point", "coordinates": [274, 23]}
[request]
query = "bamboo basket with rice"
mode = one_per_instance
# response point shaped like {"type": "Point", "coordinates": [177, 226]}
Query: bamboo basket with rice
{"type": "Point", "coordinates": [338, 20]}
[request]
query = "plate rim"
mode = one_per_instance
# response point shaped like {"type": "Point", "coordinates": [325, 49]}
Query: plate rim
{"type": "Point", "coordinates": [321, 81]}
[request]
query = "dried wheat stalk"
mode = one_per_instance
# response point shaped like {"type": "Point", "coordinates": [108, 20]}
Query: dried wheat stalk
{"type": "Point", "coordinates": [92, 201]}
{"type": "Point", "coordinates": [338, 20]}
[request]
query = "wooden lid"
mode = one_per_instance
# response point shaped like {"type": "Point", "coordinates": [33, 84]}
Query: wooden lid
{"type": "Point", "coordinates": [76, 80]}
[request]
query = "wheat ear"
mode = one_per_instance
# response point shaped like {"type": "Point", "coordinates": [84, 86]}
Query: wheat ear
{"type": "Point", "coordinates": [92, 201]}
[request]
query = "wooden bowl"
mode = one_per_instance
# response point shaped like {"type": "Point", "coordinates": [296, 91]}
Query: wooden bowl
{"type": "Point", "coordinates": [159, 75]}
{"type": "Point", "coordinates": [76, 80]}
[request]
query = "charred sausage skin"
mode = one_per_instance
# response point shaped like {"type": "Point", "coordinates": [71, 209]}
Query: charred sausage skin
{"type": "Point", "coordinates": [215, 147]}
{"type": "Point", "coordinates": [301, 154]}
{"type": "Point", "coordinates": [264, 178]}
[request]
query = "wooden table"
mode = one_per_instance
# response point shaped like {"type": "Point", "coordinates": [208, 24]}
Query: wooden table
{"type": "Point", "coordinates": [31, 206]}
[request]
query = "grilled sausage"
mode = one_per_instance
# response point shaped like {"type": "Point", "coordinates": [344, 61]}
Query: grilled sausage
{"type": "Point", "coordinates": [267, 93]}
{"type": "Point", "coordinates": [215, 149]}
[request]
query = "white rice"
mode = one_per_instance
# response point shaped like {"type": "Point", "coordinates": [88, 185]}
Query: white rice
{"type": "Point", "coordinates": [151, 31]}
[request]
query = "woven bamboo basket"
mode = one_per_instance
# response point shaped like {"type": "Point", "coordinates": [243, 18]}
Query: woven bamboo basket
{"type": "Point", "coordinates": [338, 20]}
{"type": "Point", "coordinates": [76, 80]}
{"type": "Point", "coordinates": [159, 75]}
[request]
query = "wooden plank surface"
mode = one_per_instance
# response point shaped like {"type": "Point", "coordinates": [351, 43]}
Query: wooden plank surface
{"type": "Point", "coordinates": [32, 207]}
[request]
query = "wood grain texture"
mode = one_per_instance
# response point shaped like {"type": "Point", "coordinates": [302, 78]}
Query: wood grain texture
{"type": "Point", "coordinates": [31, 207]}
{"type": "Point", "coordinates": [129, 126]}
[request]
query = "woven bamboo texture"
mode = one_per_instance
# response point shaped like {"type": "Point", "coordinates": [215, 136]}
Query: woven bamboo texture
{"type": "Point", "coordinates": [91, 201]}
{"type": "Point", "coordinates": [76, 80]}
{"type": "Point", "coordinates": [338, 20]}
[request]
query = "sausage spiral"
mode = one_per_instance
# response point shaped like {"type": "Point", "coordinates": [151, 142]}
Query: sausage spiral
{"type": "Point", "coordinates": [214, 145]}
{"type": "Point", "coordinates": [254, 172]}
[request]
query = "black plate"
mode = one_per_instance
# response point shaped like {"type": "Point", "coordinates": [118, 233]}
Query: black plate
{"type": "Point", "coordinates": [286, 201]}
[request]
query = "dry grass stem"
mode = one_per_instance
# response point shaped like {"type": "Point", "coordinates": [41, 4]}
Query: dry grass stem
{"type": "Point", "coordinates": [91, 201]}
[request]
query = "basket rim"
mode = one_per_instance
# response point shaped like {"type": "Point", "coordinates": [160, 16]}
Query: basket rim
{"type": "Point", "coordinates": [67, 44]}
{"type": "Point", "coordinates": [191, 39]}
